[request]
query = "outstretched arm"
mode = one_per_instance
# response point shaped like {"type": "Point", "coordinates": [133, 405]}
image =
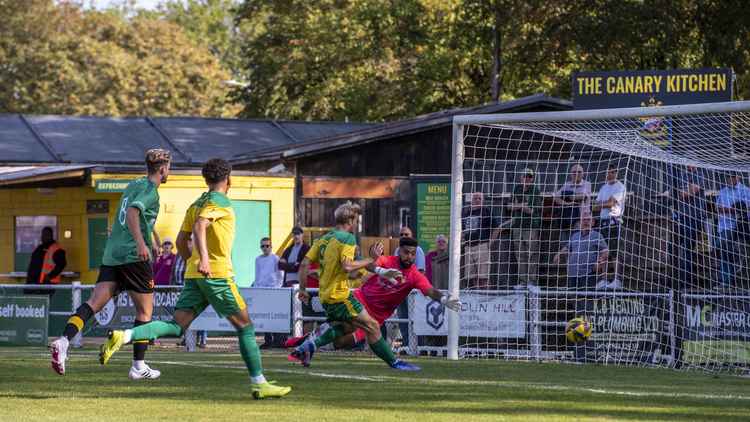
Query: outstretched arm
{"type": "Point", "coordinates": [452, 304]}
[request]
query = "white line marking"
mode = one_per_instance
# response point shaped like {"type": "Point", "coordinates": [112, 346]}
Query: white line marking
{"type": "Point", "coordinates": [504, 384]}
{"type": "Point", "coordinates": [283, 371]}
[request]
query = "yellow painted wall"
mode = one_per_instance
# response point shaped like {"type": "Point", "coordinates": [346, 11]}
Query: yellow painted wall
{"type": "Point", "coordinates": [69, 205]}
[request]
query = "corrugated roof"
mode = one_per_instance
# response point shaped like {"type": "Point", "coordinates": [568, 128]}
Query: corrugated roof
{"type": "Point", "coordinates": [400, 128]}
{"type": "Point", "coordinates": [98, 139]}
{"type": "Point", "coordinates": [305, 131]}
{"type": "Point", "coordinates": [26, 173]}
{"type": "Point", "coordinates": [18, 143]}
{"type": "Point", "coordinates": [110, 140]}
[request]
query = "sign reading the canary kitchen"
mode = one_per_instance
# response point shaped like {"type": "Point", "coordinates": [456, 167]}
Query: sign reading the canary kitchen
{"type": "Point", "coordinates": [616, 89]}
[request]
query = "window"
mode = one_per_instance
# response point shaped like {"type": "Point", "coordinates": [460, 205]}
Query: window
{"type": "Point", "coordinates": [404, 217]}
{"type": "Point", "coordinates": [28, 231]}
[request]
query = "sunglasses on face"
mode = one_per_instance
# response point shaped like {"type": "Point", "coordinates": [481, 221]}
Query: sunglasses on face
{"type": "Point", "coordinates": [404, 234]}
{"type": "Point", "coordinates": [265, 246]}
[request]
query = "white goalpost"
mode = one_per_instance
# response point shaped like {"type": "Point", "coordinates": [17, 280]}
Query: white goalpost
{"type": "Point", "coordinates": [636, 219]}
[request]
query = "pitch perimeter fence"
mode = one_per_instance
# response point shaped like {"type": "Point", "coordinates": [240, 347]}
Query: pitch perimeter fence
{"type": "Point", "coordinates": [629, 328]}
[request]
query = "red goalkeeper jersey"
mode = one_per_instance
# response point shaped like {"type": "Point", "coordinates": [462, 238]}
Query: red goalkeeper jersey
{"type": "Point", "coordinates": [383, 296]}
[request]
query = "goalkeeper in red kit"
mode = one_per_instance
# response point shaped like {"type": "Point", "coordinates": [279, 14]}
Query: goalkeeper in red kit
{"type": "Point", "coordinates": [381, 295]}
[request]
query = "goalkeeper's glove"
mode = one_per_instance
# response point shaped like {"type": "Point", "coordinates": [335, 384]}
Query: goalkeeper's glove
{"type": "Point", "coordinates": [389, 273]}
{"type": "Point", "coordinates": [452, 304]}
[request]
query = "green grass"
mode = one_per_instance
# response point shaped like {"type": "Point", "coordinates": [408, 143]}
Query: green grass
{"type": "Point", "coordinates": [214, 386]}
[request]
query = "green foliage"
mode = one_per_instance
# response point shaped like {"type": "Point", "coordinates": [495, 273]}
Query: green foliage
{"type": "Point", "coordinates": [365, 60]}
{"type": "Point", "coordinates": [59, 59]}
{"type": "Point", "coordinates": [382, 60]}
{"type": "Point", "coordinates": [209, 23]}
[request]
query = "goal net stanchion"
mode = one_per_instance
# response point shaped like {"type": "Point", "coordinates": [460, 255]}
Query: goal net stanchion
{"type": "Point", "coordinates": [635, 219]}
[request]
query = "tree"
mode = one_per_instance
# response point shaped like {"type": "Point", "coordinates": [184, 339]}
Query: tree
{"type": "Point", "coordinates": [209, 23]}
{"type": "Point", "coordinates": [60, 59]}
{"type": "Point", "coordinates": [333, 59]}
{"type": "Point", "coordinates": [382, 60]}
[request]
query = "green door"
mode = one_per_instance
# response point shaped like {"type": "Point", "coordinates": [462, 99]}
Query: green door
{"type": "Point", "coordinates": [98, 233]}
{"type": "Point", "coordinates": [253, 224]}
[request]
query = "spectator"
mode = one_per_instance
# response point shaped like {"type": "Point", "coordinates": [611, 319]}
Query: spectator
{"type": "Point", "coordinates": [574, 196]}
{"type": "Point", "coordinates": [587, 255]}
{"type": "Point", "coordinates": [46, 264]}
{"type": "Point", "coordinates": [164, 264]}
{"type": "Point", "coordinates": [403, 308]}
{"type": "Point", "coordinates": [480, 228]}
{"type": "Point", "coordinates": [292, 258]}
{"type": "Point", "coordinates": [689, 214]}
{"type": "Point", "coordinates": [267, 274]}
{"type": "Point", "coordinates": [733, 200]}
{"type": "Point", "coordinates": [587, 258]}
{"type": "Point", "coordinates": [441, 248]}
{"type": "Point", "coordinates": [178, 270]}
{"type": "Point", "coordinates": [420, 262]}
{"type": "Point", "coordinates": [610, 202]}
{"type": "Point", "coordinates": [526, 207]}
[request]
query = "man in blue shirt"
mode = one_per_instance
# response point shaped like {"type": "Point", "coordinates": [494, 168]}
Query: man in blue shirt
{"type": "Point", "coordinates": [733, 200]}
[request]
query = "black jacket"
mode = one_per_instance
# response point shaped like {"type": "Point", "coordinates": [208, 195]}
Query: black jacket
{"type": "Point", "coordinates": [37, 259]}
{"type": "Point", "coordinates": [292, 267]}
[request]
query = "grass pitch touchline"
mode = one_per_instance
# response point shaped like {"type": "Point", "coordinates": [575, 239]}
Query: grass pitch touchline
{"type": "Point", "coordinates": [283, 371]}
{"type": "Point", "coordinates": [383, 378]}
{"type": "Point", "coordinates": [505, 384]}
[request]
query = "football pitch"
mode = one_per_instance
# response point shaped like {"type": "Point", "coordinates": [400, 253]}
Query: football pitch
{"type": "Point", "coordinates": [356, 387]}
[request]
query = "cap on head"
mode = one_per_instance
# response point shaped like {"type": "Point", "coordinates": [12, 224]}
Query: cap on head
{"type": "Point", "coordinates": [529, 172]}
{"type": "Point", "coordinates": [297, 230]}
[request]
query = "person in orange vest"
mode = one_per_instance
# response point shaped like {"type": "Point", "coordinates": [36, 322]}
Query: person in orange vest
{"type": "Point", "coordinates": [47, 261]}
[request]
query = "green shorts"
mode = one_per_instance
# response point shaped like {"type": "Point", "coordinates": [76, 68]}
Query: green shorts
{"type": "Point", "coordinates": [221, 293]}
{"type": "Point", "coordinates": [343, 311]}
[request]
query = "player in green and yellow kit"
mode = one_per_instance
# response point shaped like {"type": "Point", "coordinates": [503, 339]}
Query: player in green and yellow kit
{"type": "Point", "coordinates": [126, 263]}
{"type": "Point", "coordinates": [208, 280]}
{"type": "Point", "coordinates": [334, 252]}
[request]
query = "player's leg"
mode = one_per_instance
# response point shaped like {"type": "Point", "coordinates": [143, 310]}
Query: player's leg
{"type": "Point", "coordinates": [349, 340]}
{"type": "Point", "coordinates": [189, 305]}
{"type": "Point", "coordinates": [377, 343]}
{"type": "Point", "coordinates": [330, 332]}
{"type": "Point", "coordinates": [144, 304]}
{"type": "Point", "coordinates": [339, 317]}
{"type": "Point", "coordinates": [226, 300]}
{"type": "Point", "coordinates": [138, 279]}
{"type": "Point", "coordinates": [103, 291]}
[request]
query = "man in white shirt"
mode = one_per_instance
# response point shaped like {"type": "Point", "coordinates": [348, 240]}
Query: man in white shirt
{"type": "Point", "coordinates": [610, 202]}
{"type": "Point", "coordinates": [267, 274]}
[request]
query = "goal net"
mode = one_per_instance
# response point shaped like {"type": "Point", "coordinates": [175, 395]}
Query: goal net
{"type": "Point", "coordinates": [635, 219]}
